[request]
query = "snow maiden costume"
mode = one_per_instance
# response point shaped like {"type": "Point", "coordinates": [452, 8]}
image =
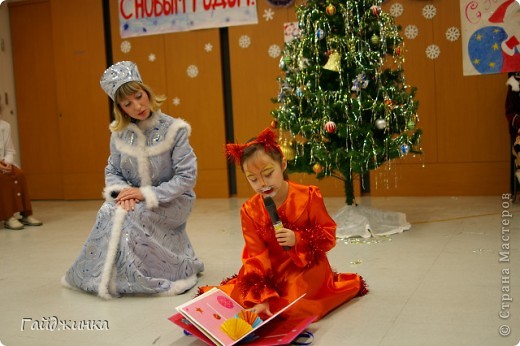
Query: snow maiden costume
{"type": "Point", "coordinates": [147, 250]}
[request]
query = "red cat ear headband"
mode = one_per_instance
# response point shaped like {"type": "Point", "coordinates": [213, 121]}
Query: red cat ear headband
{"type": "Point", "coordinates": [234, 152]}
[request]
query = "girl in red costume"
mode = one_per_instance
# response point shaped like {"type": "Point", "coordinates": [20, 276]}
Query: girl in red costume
{"type": "Point", "coordinates": [279, 267]}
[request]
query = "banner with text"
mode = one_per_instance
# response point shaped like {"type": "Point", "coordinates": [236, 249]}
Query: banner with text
{"type": "Point", "coordinates": [490, 36]}
{"type": "Point", "coordinates": [152, 17]}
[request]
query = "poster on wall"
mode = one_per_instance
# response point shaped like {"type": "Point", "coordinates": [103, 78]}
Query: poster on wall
{"type": "Point", "coordinates": [152, 17]}
{"type": "Point", "coordinates": [490, 36]}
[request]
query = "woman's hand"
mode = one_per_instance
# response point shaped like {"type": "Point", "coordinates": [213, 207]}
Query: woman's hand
{"type": "Point", "coordinates": [285, 237]}
{"type": "Point", "coordinates": [129, 197]}
{"type": "Point", "coordinates": [262, 308]}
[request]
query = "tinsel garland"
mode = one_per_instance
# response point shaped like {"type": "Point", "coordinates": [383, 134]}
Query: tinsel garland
{"type": "Point", "coordinates": [313, 242]}
{"type": "Point", "coordinates": [345, 68]}
{"type": "Point", "coordinates": [226, 280]}
{"type": "Point", "coordinates": [363, 289]}
{"type": "Point", "coordinates": [256, 283]}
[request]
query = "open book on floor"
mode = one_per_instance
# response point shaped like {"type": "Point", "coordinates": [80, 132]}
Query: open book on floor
{"type": "Point", "coordinates": [217, 319]}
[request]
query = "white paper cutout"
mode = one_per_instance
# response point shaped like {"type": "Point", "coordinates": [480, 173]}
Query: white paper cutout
{"type": "Point", "coordinates": [126, 46]}
{"type": "Point", "coordinates": [192, 71]}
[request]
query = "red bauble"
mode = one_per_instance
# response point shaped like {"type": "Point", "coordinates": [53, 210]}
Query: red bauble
{"type": "Point", "coordinates": [330, 127]}
{"type": "Point", "coordinates": [376, 10]}
{"type": "Point", "coordinates": [274, 124]}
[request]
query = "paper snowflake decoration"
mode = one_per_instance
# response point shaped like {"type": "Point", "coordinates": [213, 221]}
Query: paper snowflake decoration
{"type": "Point", "coordinates": [126, 46]}
{"type": "Point", "coordinates": [192, 71]}
{"type": "Point", "coordinates": [452, 34]}
{"type": "Point", "coordinates": [176, 101]}
{"type": "Point", "coordinates": [244, 41]}
{"type": "Point", "coordinates": [274, 51]}
{"type": "Point", "coordinates": [411, 32]}
{"type": "Point", "coordinates": [396, 9]}
{"type": "Point", "coordinates": [433, 51]}
{"type": "Point", "coordinates": [152, 57]}
{"type": "Point", "coordinates": [268, 14]}
{"type": "Point", "coordinates": [429, 11]}
{"type": "Point", "coordinates": [208, 47]}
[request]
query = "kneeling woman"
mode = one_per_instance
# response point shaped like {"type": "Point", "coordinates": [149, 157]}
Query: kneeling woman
{"type": "Point", "coordinates": [139, 244]}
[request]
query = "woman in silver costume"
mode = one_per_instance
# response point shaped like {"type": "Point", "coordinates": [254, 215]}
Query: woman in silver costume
{"type": "Point", "coordinates": [139, 243]}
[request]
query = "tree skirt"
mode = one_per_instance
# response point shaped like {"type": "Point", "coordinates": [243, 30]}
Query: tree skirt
{"type": "Point", "coordinates": [365, 222]}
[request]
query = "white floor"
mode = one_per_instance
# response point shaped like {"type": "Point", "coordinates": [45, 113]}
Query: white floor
{"type": "Point", "coordinates": [440, 283]}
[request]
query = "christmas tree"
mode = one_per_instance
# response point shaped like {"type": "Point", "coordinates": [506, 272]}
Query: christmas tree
{"type": "Point", "coordinates": [344, 107]}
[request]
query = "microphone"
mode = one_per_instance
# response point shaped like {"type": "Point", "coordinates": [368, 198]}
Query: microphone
{"type": "Point", "coordinates": [273, 214]}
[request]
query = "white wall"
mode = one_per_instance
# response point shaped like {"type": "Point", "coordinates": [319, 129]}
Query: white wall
{"type": "Point", "coordinates": [7, 96]}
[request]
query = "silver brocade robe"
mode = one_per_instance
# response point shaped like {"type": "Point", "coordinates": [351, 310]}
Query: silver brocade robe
{"type": "Point", "coordinates": [146, 251]}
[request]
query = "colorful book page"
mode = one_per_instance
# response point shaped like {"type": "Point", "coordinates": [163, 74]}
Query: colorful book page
{"type": "Point", "coordinates": [210, 310]}
{"type": "Point", "coordinates": [278, 332]}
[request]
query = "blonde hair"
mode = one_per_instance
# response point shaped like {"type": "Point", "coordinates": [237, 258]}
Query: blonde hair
{"type": "Point", "coordinates": [122, 120]}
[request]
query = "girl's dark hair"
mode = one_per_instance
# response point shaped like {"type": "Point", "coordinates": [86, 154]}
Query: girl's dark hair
{"type": "Point", "coordinates": [275, 154]}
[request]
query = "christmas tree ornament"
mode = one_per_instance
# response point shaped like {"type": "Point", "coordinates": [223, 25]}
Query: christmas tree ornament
{"type": "Point", "coordinates": [303, 62]}
{"type": "Point", "coordinates": [281, 96]}
{"type": "Point", "coordinates": [334, 62]}
{"type": "Point", "coordinates": [376, 10]}
{"type": "Point", "coordinates": [331, 10]}
{"type": "Point", "coordinates": [405, 149]}
{"type": "Point", "coordinates": [374, 39]}
{"type": "Point", "coordinates": [287, 60]}
{"type": "Point", "coordinates": [288, 151]}
{"type": "Point", "coordinates": [274, 124]}
{"type": "Point", "coordinates": [380, 124]}
{"type": "Point", "coordinates": [320, 34]}
{"type": "Point", "coordinates": [281, 64]}
{"type": "Point", "coordinates": [330, 127]}
{"type": "Point", "coordinates": [300, 139]}
{"type": "Point", "coordinates": [353, 75]}
{"type": "Point", "coordinates": [359, 83]}
{"type": "Point", "coordinates": [410, 124]}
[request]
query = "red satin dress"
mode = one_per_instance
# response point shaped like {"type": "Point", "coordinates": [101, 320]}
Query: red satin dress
{"type": "Point", "coordinates": [280, 276]}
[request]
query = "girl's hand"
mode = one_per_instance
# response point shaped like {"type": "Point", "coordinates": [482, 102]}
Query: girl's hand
{"type": "Point", "coordinates": [262, 308]}
{"type": "Point", "coordinates": [285, 237]}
